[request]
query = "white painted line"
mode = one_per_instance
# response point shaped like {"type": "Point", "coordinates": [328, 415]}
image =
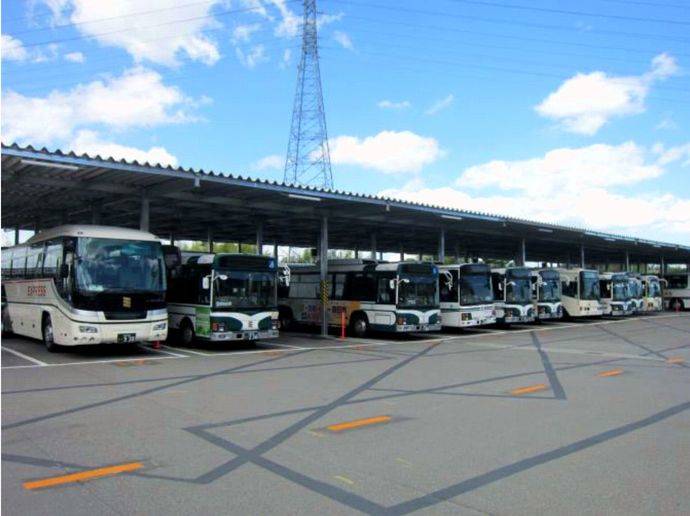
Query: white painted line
{"type": "Point", "coordinates": [169, 353]}
{"type": "Point", "coordinates": [25, 357]}
{"type": "Point", "coordinates": [185, 350]}
{"type": "Point", "coordinates": [89, 362]}
{"type": "Point", "coordinates": [288, 346]}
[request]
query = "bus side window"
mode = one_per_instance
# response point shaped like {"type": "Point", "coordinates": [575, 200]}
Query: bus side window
{"type": "Point", "coordinates": [449, 294]}
{"type": "Point", "coordinates": [338, 285]}
{"type": "Point", "coordinates": [361, 287]}
{"type": "Point", "coordinates": [496, 283]}
{"type": "Point", "coordinates": [385, 294]}
{"type": "Point", "coordinates": [34, 261]}
{"type": "Point", "coordinates": [52, 260]}
{"type": "Point", "coordinates": [6, 263]}
{"type": "Point", "coordinates": [605, 287]}
{"type": "Point", "coordinates": [569, 288]}
{"type": "Point", "coordinates": [18, 262]}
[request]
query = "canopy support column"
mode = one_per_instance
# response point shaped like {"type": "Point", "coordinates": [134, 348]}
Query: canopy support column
{"type": "Point", "coordinates": [144, 213]}
{"type": "Point", "coordinates": [402, 252]}
{"type": "Point", "coordinates": [522, 253]}
{"type": "Point", "coordinates": [323, 262]}
{"type": "Point", "coordinates": [582, 256]}
{"type": "Point", "coordinates": [373, 246]}
{"type": "Point", "coordinates": [259, 237]}
{"type": "Point", "coordinates": [627, 261]}
{"type": "Point", "coordinates": [209, 239]}
{"type": "Point", "coordinates": [442, 246]}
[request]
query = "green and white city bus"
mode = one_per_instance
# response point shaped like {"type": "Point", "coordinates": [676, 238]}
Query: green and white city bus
{"type": "Point", "coordinates": [222, 297]}
{"type": "Point", "coordinates": [513, 295]}
{"type": "Point", "coordinates": [677, 291]}
{"type": "Point", "coordinates": [467, 298]}
{"type": "Point", "coordinates": [580, 292]}
{"type": "Point", "coordinates": [615, 294]}
{"type": "Point", "coordinates": [546, 285]}
{"type": "Point", "coordinates": [83, 284]}
{"type": "Point", "coordinates": [388, 297]}
{"type": "Point", "coordinates": [636, 293]}
{"type": "Point", "coordinates": [651, 288]}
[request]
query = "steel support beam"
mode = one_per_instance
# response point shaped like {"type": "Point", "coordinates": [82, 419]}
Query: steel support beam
{"type": "Point", "coordinates": [522, 253]}
{"type": "Point", "coordinates": [582, 255]}
{"type": "Point", "coordinates": [323, 262]}
{"type": "Point", "coordinates": [209, 239]}
{"type": "Point", "coordinates": [144, 213]}
{"type": "Point", "coordinates": [627, 261]}
{"type": "Point", "coordinates": [16, 235]}
{"type": "Point", "coordinates": [402, 252]}
{"type": "Point", "coordinates": [373, 246]}
{"type": "Point", "coordinates": [662, 266]}
{"type": "Point", "coordinates": [442, 246]}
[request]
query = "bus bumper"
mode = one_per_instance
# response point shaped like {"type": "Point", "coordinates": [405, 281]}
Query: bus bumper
{"type": "Point", "coordinates": [126, 333]}
{"type": "Point", "coordinates": [512, 319]}
{"type": "Point", "coordinates": [402, 328]}
{"type": "Point", "coordinates": [243, 335]}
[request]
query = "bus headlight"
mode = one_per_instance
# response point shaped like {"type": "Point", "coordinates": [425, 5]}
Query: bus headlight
{"type": "Point", "coordinates": [160, 326]}
{"type": "Point", "coordinates": [88, 329]}
{"type": "Point", "coordinates": [275, 323]}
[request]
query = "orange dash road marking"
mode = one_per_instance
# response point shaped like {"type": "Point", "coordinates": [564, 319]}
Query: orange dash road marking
{"type": "Point", "coordinates": [350, 425]}
{"type": "Point", "coordinates": [676, 360]}
{"type": "Point", "coordinates": [83, 475]}
{"type": "Point", "coordinates": [612, 372]}
{"type": "Point", "coordinates": [531, 388]}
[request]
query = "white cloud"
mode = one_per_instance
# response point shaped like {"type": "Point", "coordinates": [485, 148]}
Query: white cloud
{"type": "Point", "coordinates": [89, 142]}
{"type": "Point", "coordinates": [137, 98]}
{"type": "Point", "coordinates": [256, 55]}
{"type": "Point", "coordinates": [290, 23]}
{"type": "Point", "coordinates": [389, 104]}
{"type": "Point", "coordinates": [272, 162]}
{"type": "Point", "coordinates": [243, 33]}
{"type": "Point", "coordinates": [583, 187]}
{"type": "Point", "coordinates": [585, 102]}
{"type": "Point", "coordinates": [343, 40]}
{"type": "Point", "coordinates": [440, 105]}
{"type": "Point", "coordinates": [285, 61]}
{"type": "Point", "coordinates": [13, 49]}
{"type": "Point", "coordinates": [388, 151]}
{"type": "Point", "coordinates": [153, 32]}
{"type": "Point", "coordinates": [74, 57]}
{"type": "Point", "coordinates": [679, 153]}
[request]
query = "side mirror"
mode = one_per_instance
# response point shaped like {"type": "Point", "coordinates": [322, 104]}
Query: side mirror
{"type": "Point", "coordinates": [64, 271]}
{"type": "Point", "coordinates": [222, 277]}
{"type": "Point", "coordinates": [500, 287]}
{"type": "Point", "coordinates": [391, 284]}
{"type": "Point", "coordinates": [206, 282]}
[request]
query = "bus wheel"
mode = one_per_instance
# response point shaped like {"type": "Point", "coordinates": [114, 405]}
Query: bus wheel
{"type": "Point", "coordinates": [186, 333]}
{"type": "Point", "coordinates": [359, 326]}
{"type": "Point", "coordinates": [48, 335]}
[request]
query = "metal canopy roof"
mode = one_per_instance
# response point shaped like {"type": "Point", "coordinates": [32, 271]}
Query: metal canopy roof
{"type": "Point", "coordinates": [45, 189]}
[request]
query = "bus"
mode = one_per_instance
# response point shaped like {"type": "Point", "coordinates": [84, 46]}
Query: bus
{"type": "Point", "coordinates": [615, 292]}
{"type": "Point", "coordinates": [546, 285]}
{"type": "Point", "coordinates": [365, 295]}
{"type": "Point", "coordinates": [82, 284]}
{"type": "Point", "coordinates": [651, 289]}
{"type": "Point", "coordinates": [677, 291]}
{"type": "Point", "coordinates": [222, 297]}
{"type": "Point", "coordinates": [580, 292]}
{"type": "Point", "coordinates": [467, 298]}
{"type": "Point", "coordinates": [513, 295]}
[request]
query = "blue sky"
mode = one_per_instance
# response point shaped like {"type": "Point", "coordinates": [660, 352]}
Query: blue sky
{"type": "Point", "coordinates": [569, 112]}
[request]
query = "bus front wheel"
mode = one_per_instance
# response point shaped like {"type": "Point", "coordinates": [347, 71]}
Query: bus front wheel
{"type": "Point", "coordinates": [359, 326]}
{"type": "Point", "coordinates": [49, 335]}
{"type": "Point", "coordinates": [186, 333]}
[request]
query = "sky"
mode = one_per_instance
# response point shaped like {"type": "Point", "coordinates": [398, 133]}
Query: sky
{"type": "Point", "coordinates": [571, 112]}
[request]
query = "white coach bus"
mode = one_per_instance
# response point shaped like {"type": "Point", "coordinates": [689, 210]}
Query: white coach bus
{"type": "Point", "coordinates": [677, 291]}
{"type": "Point", "coordinates": [80, 284]}
{"type": "Point", "coordinates": [651, 290]}
{"type": "Point", "coordinates": [547, 294]}
{"type": "Point", "coordinates": [580, 292]}
{"type": "Point", "coordinates": [513, 295]}
{"type": "Point", "coordinates": [387, 297]}
{"type": "Point", "coordinates": [467, 298]}
{"type": "Point", "coordinates": [222, 297]}
{"type": "Point", "coordinates": [616, 298]}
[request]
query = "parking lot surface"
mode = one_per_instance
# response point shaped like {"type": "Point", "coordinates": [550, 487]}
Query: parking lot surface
{"type": "Point", "coordinates": [564, 418]}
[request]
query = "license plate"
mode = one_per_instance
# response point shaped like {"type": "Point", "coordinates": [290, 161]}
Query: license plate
{"type": "Point", "coordinates": [124, 338]}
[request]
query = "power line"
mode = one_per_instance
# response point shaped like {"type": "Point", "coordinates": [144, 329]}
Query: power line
{"type": "Point", "coordinates": [545, 26]}
{"type": "Point", "coordinates": [568, 12]}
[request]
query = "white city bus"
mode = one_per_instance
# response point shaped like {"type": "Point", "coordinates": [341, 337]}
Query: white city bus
{"type": "Point", "coordinates": [513, 295]}
{"type": "Point", "coordinates": [636, 293]}
{"type": "Point", "coordinates": [546, 285]}
{"type": "Point", "coordinates": [616, 299]}
{"type": "Point", "coordinates": [222, 297]}
{"type": "Point", "coordinates": [677, 291]}
{"type": "Point", "coordinates": [388, 297]}
{"type": "Point", "coordinates": [651, 288]}
{"type": "Point", "coordinates": [580, 292]}
{"type": "Point", "coordinates": [81, 284]}
{"type": "Point", "coordinates": [467, 298]}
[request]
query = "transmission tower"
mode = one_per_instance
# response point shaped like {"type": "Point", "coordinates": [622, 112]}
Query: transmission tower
{"type": "Point", "coordinates": [308, 159]}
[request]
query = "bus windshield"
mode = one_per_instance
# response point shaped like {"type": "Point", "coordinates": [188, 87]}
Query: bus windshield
{"type": "Point", "coordinates": [654, 289]}
{"type": "Point", "coordinates": [418, 291]}
{"type": "Point", "coordinates": [589, 286]}
{"type": "Point", "coordinates": [240, 289]}
{"type": "Point", "coordinates": [475, 288]}
{"type": "Point", "coordinates": [550, 289]}
{"type": "Point", "coordinates": [620, 291]}
{"type": "Point", "coordinates": [634, 287]}
{"type": "Point", "coordinates": [114, 265]}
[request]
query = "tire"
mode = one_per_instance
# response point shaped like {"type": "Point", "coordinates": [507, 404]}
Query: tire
{"type": "Point", "coordinates": [49, 335]}
{"type": "Point", "coordinates": [186, 333]}
{"type": "Point", "coordinates": [286, 320]}
{"type": "Point", "coordinates": [359, 326]}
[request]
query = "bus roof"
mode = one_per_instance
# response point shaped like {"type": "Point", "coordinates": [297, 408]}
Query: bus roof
{"type": "Point", "coordinates": [88, 230]}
